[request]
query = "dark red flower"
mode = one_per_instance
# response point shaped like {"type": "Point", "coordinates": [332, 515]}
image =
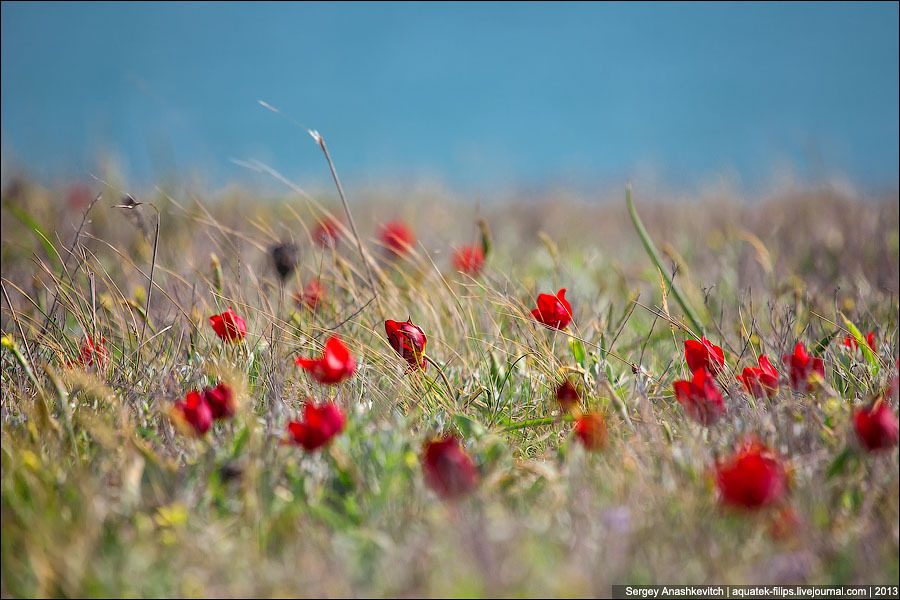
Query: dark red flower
{"type": "Point", "coordinates": [469, 260]}
{"type": "Point", "coordinates": [553, 311]}
{"type": "Point", "coordinates": [752, 477]}
{"type": "Point", "coordinates": [312, 295]}
{"type": "Point", "coordinates": [327, 233]}
{"type": "Point", "coordinates": [221, 401]}
{"type": "Point", "coordinates": [397, 237]}
{"type": "Point", "coordinates": [851, 343]}
{"type": "Point", "coordinates": [701, 398]}
{"type": "Point", "coordinates": [448, 470]}
{"type": "Point", "coordinates": [804, 369]}
{"type": "Point", "coordinates": [228, 326]}
{"type": "Point", "coordinates": [321, 423]}
{"type": "Point", "coordinates": [408, 340]}
{"type": "Point", "coordinates": [703, 355]}
{"type": "Point", "coordinates": [567, 396]}
{"type": "Point", "coordinates": [876, 426]}
{"type": "Point", "coordinates": [91, 353]}
{"type": "Point", "coordinates": [193, 414]}
{"type": "Point", "coordinates": [590, 429]}
{"type": "Point", "coordinates": [335, 365]}
{"type": "Point", "coordinates": [79, 195]}
{"type": "Point", "coordinates": [762, 382]}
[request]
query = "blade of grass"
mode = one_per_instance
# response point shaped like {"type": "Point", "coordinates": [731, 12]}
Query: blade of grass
{"type": "Point", "coordinates": [657, 260]}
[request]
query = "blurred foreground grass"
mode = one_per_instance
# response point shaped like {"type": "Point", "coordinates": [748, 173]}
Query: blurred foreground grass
{"type": "Point", "coordinates": [101, 496]}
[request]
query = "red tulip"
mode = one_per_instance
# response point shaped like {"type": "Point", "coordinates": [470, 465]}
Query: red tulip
{"type": "Point", "coordinates": [804, 369]}
{"type": "Point", "coordinates": [79, 195]}
{"type": "Point", "coordinates": [408, 340]}
{"type": "Point", "coordinates": [335, 365]}
{"type": "Point", "coordinates": [321, 423]}
{"type": "Point", "coordinates": [193, 414]}
{"type": "Point", "coordinates": [876, 426]}
{"type": "Point", "coordinates": [701, 398]}
{"type": "Point", "coordinates": [313, 295]}
{"type": "Point", "coordinates": [89, 353]}
{"type": "Point", "coordinates": [553, 311]}
{"type": "Point", "coordinates": [221, 401]}
{"type": "Point", "coordinates": [703, 355]}
{"type": "Point", "coordinates": [469, 260]}
{"type": "Point", "coordinates": [851, 343]}
{"type": "Point", "coordinates": [751, 477]}
{"type": "Point", "coordinates": [448, 470]}
{"type": "Point", "coordinates": [397, 237]}
{"type": "Point", "coordinates": [567, 396]}
{"type": "Point", "coordinates": [590, 429]}
{"type": "Point", "coordinates": [761, 382]}
{"type": "Point", "coordinates": [327, 233]}
{"type": "Point", "coordinates": [228, 326]}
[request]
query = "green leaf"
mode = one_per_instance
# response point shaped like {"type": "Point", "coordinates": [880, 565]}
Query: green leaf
{"type": "Point", "coordinates": [578, 351]}
{"type": "Point", "coordinates": [240, 441]}
{"type": "Point", "coordinates": [863, 344]}
{"type": "Point", "coordinates": [823, 343]}
{"type": "Point", "coordinates": [468, 427]}
{"type": "Point", "coordinates": [840, 463]}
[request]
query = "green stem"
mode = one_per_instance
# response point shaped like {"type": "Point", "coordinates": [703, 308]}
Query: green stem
{"type": "Point", "coordinates": [538, 422]}
{"type": "Point", "coordinates": [654, 256]}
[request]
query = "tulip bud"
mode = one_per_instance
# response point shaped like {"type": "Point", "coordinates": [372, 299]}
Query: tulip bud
{"type": "Point", "coordinates": [284, 257]}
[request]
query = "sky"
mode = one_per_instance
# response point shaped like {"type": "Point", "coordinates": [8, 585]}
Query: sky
{"type": "Point", "coordinates": [474, 95]}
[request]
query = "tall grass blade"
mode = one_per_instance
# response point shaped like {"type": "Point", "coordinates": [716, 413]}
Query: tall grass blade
{"type": "Point", "coordinates": [657, 260]}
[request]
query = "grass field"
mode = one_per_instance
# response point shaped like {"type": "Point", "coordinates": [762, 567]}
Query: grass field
{"type": "Point", "coordinates": [105, 492]}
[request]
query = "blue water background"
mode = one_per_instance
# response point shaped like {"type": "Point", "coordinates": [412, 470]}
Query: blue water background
{"type": "Point", "coordinates": [473, 95]}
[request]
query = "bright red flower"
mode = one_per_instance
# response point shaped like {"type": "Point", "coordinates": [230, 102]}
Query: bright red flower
{"type": "Point", "coordinates": [762, 382]}
{"type": "Point", "coordinates": [327, 233]}
{"type": "Point", "coordinates": [321, 423]}
{"type": "Point", "coordinates": [553, 311]}
{"type": "Point", "coordinates": [590, 429]}
{"type": "Point", "coordinates": [752, 477]}
{"type": "Point", "coordinates": [193, 414]}
{"type": "Point", "coordinates": [703, 355]}
{"type": "Point", "coordinates": [228, 326]}
{"type": "Point", "coordinates": [876, 426]}
{"type": "Point", "coordinates": [221, 401]}
{"type": "Point", "coordinates": [567, 396]}
{"type": "Point", "coordinates": [448, 470]}
{"type": "Point", "coordinates": [408, 340]}
{"type": "Point", "coordinates": [469, 260]}
{"type": "Point", "coordinates": [397, 237]}
{"type": "Point", "coordinates": [701, 398]}
{"type": "Point", "coordinates": [89, 353]}
{"type": "Point", "coordinates": [851, 343]}
{"type": "Point", "coordinates": [802, 368]}
{"type": "Point", "coordinates": [312, 296]}
{"type": "Point", "coordinates": [335, 365]}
